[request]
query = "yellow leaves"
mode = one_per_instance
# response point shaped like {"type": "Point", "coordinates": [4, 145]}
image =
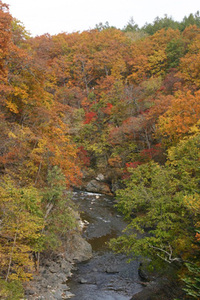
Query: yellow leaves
{"type": "Point", "coordinates": [118, 68]}
{"type": "Point", "coordinates": [158, 62]}
{"type": "Point", "coordinates": [31, 167]}
{"type": "Point", "coordinates": [195, 129]}
{"type": "Point", "coordinates": [12, 106]}
{"type": "Point", "coordinates": [12, 135]}
{"type": "Point", "coordinates": [21, 225]}
{"type": "Point", "coordinates": [193, 203]}
{"type": "Point", "coordinates": [21, 92]}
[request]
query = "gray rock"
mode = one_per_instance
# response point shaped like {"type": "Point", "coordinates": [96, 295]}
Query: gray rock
{"type": "Point", "coordinates": [62, 277]}
{"type": "Point", "coordinates": [100, 177]}
{"type": "Point", "coordinates": [96, 186]}
{"type": "Point", "coordinates": [63, 287]}
{"type": "Point", "coordinates": [30, 292]}
{"type": "Point", "coordinates": [78, 249]}
{"type": "Point", "coordinates": [54, 268]}
{"type": "Point", "coordinates": [69, 295]}
{"type": "Point", "coordinates": [65, 266]}
{"type": "Point", "coordinates": [58, 294]}
{"type": "Point", "coordinates": [112, 270]}
{"type": "Point", "coordinates": [95, 270]}
{"type": "Point", "coordinates": [83, 281]}
{"type": "Point", "coordinates": [44, 283]}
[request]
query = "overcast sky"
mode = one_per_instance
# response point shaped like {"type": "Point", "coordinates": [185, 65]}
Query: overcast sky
{"type": "Point", "coordinates": [48, 16]}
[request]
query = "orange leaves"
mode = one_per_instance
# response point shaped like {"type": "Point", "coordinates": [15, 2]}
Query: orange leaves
{"type": "Point", "coordinates": [197, 237]}
{"type": "Point", "coordinates": [5, 37]}
{"type": "Point", "coordinates": [5, 33]}
{"type": "Point", "coordinates": [139, 64]}
{"type": "Point", "coordinates": [115, 161]}
{"type": "Point", "coordinates": [183, 113]}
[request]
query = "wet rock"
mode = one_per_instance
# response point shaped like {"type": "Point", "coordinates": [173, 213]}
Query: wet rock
{"type": "Point", "coordinates": [97, 186]}
{"type": "Point", "coordinates": [112, 270]}
{"type": "Point", "coordinates": [114, 288]}
{"type": "Point", "coordinates": [83, 281]}
{"type": "Point", "coordinates": [95, 270]}
{"type": "Point", "coordinates": [144, 271]}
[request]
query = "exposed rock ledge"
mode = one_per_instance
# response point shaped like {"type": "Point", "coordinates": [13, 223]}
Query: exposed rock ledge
{"type": "Point", "coordinates": [50, 283]}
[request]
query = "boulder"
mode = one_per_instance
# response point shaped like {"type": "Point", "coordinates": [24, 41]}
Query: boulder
{"type": "Point", "coordinates": [77, 248]}
{"type": "Point", "coordinates": [96, 186]}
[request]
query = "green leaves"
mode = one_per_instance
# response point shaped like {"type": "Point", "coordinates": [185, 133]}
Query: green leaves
{"type": "Point", "coordinates": [11, 290]}
{"type": "Point", "coordinates": [21, 225]}
{"type": "Point", "coordinates": [192, 280]}
{"type": "Point", "coordinates": [162, 205]}
{"type": "Point", "coordinates": [59, 217]}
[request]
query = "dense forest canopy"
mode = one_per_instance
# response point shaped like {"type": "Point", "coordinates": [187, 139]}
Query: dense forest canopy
{"type": "Point", "coordinates": [124, 103]}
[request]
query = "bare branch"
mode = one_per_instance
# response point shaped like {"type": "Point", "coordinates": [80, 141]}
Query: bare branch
{"type": "Point", "coordinates": [169, 254]}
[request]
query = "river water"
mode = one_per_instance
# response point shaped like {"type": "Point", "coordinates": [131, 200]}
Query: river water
{"type": "Point", "coordinates": [107, 275]}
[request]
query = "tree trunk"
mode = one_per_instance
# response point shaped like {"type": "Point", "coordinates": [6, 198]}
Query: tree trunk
{"type": "Point", "coordinates": [11, 255]}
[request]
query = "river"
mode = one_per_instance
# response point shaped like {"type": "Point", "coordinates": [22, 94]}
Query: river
{"type": "Point", "coordinates": [107, 275]}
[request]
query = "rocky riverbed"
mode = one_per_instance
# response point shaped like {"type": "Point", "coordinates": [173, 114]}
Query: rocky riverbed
{"type": "Point", "coordinates": [87, 269]}
{"type": "Point", "coordinates": [106, 275]}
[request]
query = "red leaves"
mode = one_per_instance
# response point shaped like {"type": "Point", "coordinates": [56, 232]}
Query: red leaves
{"type": "Point", "coordinates": [148, 154]}
{"type": "Point", "coordinates": [133, 165]}
{"type": "Point", "coordinates": [83, 156]}
{"type": "Point", "coordinates": [108, 109]}
{"type": "Point", "coordinates": [89, 117]}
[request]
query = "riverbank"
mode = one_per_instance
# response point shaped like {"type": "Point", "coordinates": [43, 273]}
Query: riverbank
{"type": "Point", "coordinates": [87, 269]}
{"type": "Point", "coordinates": [51, 281]}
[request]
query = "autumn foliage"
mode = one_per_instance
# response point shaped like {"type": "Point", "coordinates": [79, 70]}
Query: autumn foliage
{"type": "Point", "coordinates": [104, 100]}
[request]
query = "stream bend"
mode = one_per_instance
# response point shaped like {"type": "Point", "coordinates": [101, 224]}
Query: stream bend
{"type": "Point", "coordinates": [107, 275]}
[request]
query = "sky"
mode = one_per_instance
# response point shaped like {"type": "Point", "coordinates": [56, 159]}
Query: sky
{"type": "Point", "coordinates": [48, 16]}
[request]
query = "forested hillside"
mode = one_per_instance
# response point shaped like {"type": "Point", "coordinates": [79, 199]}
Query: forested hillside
{"type": "Point", "coordinates": [124, 103]}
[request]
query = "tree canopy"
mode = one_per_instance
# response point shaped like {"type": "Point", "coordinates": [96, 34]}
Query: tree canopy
{"type": "Point", "coordinates": [124, 103]}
